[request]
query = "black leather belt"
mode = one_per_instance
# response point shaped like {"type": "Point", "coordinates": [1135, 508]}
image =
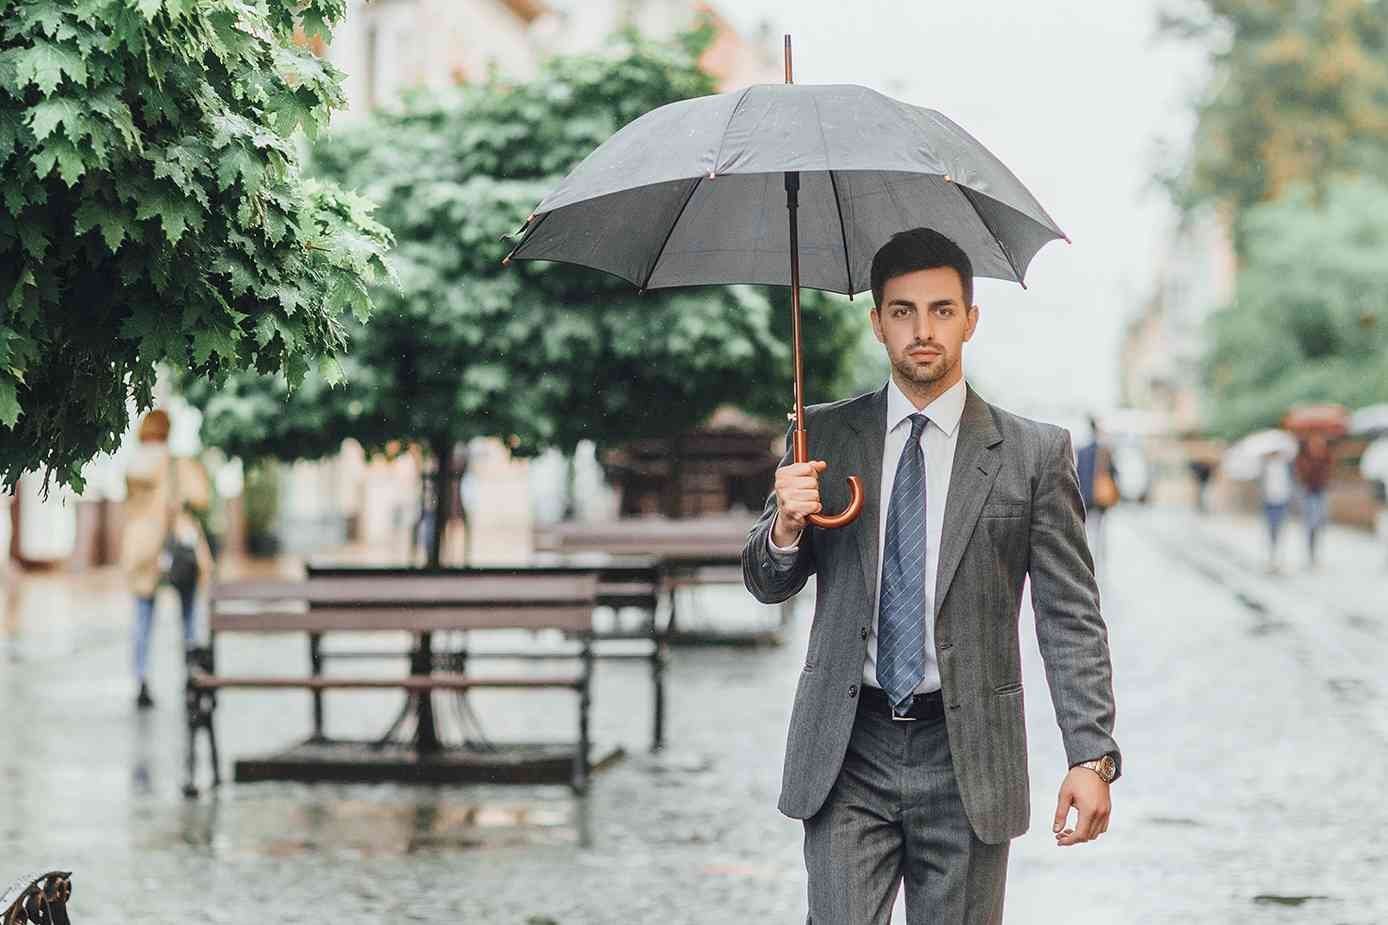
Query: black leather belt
{"type": "Point", "coordinates": [923, 706]}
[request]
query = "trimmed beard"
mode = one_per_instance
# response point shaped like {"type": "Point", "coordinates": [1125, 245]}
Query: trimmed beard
{"type": "Point", "coordinates": [912, 371]}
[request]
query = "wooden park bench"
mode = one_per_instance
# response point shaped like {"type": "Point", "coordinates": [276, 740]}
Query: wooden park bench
{"type": "Point", "coordinates": [692, 553]}
{"type": "Point", "coordinates": [422, 604]}
{"type": "Point", "coordinates": [624, 582]}
{"type": "Point", "coordinates": [37, 899]}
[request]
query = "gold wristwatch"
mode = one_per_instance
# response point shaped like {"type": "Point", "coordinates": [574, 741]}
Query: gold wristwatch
{"type": "Point", "coordinates": [1105, 767]}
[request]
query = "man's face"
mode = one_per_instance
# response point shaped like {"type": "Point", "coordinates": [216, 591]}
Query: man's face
{"type": "Point", "coordinates": [923, 322]}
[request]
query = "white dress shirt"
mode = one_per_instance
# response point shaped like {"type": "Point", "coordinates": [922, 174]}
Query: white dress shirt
{"type": "Point", "coordinates": [938, 441]}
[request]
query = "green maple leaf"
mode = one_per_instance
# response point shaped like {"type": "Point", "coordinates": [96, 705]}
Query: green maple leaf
{"type": "Point", "coordinates": [9, 403]}
{"type": "Point", "coordinates": [45, 63]}
{"type": "Point", "coordinates": [113, 225]}
{"type": "Point", "coordinates": [176, 215]}
{"type": "Point", "coordinates": [208, 341]}
{"type": "Point", "coordinates": [236, 162]}
{"type": "Point", "coordinates": [330, 368]}
{"type": "Point", "coordinates": [46, 116]}
{"type": "Point", "coordinates": [149, 8]}
{"type": "Point", "coordinates": [64, 154]}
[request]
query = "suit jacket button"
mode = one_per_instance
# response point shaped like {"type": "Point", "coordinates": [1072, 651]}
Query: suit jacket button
{"type": "Point", "coordinates": [853, 690]}
{"type": "Point", "coordinates": [863, 632]}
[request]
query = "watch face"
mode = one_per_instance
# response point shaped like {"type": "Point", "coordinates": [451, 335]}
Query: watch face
{"type": "Point", "coordinates": [1107, 767]}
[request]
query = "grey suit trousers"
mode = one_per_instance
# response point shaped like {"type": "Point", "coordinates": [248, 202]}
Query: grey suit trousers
{"type": "Point", "coordinates": [895, 813]}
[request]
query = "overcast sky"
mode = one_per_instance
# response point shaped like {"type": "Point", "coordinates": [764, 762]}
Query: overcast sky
{"type": "Point", "coordinates": [1073, 95]}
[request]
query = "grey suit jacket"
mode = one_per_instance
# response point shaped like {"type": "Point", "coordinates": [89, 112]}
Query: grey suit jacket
{"type": "Point", "coordinates": [1013, 510]}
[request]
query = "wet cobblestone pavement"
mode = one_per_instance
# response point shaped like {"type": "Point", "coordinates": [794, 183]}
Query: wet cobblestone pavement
{"type": "Point", "coordinates": [1251, 714]}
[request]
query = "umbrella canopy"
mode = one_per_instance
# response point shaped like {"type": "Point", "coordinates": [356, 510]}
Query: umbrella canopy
{"type": "Point", "coordinates": [1244, 460]}
{"type": "Point", "coordinates": [694, 192]}
{"type": "Point", "coordinates": [1328, 420]}
{"type": "Point", "coordinates": [1370, 422]}
{"type": "Point", "coordinates": [1374, 463]}
{"type": "Point", "coordinates": [759, 185]}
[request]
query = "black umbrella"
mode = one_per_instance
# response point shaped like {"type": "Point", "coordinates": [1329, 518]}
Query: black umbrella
{"type": "Point", "coordinates": [692, 193]}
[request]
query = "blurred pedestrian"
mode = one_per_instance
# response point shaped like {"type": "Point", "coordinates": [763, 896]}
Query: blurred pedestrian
{"type": "Point", "coordinates": [1276, 487]}
{"type": "Point", "coordinates": [162, 542]}
{"type": "Point", "coordinates": [1202, 470]}
{"type": "Point", "coordinates": [907, 757]}
{"type": "Point", "coordinates": [1098, 486]}
{"type": "Point", "coordinates": [1313, 463]}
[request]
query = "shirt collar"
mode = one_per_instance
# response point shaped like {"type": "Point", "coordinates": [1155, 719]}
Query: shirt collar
{"type": "Point", "coordinates": [944, 412]}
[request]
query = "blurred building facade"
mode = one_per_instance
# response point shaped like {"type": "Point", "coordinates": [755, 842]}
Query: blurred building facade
{"type": "Point", "coordinates": [1162, 348]}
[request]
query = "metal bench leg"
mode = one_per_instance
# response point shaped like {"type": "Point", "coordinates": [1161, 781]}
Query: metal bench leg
{"type": "Point", "coordinates": [585, 700]}
{"type": "Point", "coordinates": [315, 658]}
{"type": "Point", "coordinates": [190, 768]}
{"type": "Point", "coordinates": [212, 743]}
{"type": "Point", "coordinates": [196, 710]}
{"type": "Point", "coordinates": [658, 658]}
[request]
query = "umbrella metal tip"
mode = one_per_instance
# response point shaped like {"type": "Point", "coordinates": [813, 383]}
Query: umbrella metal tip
{"type": "Point", "coordinates": [949, 179]}
{"type": "Point", "coordinates": [506, 261]}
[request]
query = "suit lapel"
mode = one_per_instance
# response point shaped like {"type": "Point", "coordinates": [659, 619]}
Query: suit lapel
{"type": "Point", "coordinates": [871, 436]}
{"type": "Point", "coordinates": [971, 477]}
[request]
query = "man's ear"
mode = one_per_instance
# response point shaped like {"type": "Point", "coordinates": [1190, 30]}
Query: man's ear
{"type": "Point", "coordinates": [971, 322]}
{"type": "Point", "coordinates": [876, 318]}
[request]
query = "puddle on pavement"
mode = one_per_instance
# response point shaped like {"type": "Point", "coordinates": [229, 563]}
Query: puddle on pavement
{"type": "Point", "coordinates": [367, 828]}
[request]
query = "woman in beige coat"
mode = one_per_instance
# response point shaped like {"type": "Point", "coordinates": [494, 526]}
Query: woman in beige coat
{"type": "Point", "coordinates": [160, 492]}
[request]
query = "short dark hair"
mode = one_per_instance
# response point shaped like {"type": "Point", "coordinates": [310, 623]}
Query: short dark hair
{"type": "Point", "coordinates": [920, 249]}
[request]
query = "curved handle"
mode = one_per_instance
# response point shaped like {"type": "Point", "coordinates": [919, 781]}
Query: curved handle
{"type": "Point", "coordinates": [849, 514]}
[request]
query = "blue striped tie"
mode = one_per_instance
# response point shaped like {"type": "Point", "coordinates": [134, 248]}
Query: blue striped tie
{"type": "Point", "coordinates": [901, 616]}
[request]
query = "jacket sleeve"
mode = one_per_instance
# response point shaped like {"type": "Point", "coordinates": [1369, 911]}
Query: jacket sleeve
{"type": "Point", "coordinates": [1065, 599]}
{"type": "Point", "coordinates": [771, 578]}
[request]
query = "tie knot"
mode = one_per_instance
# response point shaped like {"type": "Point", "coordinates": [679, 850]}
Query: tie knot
{"type": "Point", "coordinates": [918, 422]}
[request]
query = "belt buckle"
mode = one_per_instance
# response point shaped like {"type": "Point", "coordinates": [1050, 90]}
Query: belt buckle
{"type": "Point", "coordinates": [891, 710]}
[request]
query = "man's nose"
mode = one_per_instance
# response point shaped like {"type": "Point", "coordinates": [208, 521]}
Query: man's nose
{"type": "Point", "coordinates": [925, 328]}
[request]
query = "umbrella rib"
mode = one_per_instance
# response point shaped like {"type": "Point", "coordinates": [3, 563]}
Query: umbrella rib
{"type": "Point", "coordinates": [661, 250]}
{"type": "Point", "coordinates": [843, 233]}
{"type": "Point", "coordinates": [722, 139]}
{"type": "Point", "coordinates": [964, 191]}
{"type": "Point", "coordinates": [526, 237]}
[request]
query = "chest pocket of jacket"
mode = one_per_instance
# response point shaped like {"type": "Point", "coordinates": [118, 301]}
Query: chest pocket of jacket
{"type": "Point", "coordinates": [1004, 508]}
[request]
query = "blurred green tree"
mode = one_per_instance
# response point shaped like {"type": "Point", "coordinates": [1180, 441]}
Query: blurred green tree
{"type": "Point", "coordinates": [153, 211]}
{"type": "Point", "coordinates": [1297, 94]}
{"type": "Point", "coordinates": [542, 355]}
{"type": "Point", "coordinates": [1309, 321]}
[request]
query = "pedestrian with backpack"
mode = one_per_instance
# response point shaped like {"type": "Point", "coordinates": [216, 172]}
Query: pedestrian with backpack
{"type": "Point", "coordinates": [162, 542]}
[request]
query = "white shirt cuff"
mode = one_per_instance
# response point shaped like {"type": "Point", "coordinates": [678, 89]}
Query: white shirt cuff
{"type": "Point", "coordinates": [781, 552]}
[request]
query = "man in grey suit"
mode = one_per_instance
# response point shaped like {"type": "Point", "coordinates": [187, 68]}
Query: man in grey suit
{"type": "Point", "coordinates": [907, 753]}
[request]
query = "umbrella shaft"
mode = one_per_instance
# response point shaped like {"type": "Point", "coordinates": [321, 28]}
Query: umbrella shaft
{"type": "Point", "coordinates": [801, 444]}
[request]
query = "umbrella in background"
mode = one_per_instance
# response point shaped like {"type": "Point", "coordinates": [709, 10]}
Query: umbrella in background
{"type": "Point", "coordinates": [1327, 420]}
{"type": "Point", "coordinates": [1374, 463]}
{"type": "Point", "coordinates": [784, 185]}
{"type": "Point", "coordinates": [1370, 422]}
{"type": "Point", "coordinates": [1244, 460]}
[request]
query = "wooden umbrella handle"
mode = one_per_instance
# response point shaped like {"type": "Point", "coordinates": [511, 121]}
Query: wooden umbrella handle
{"type": "Point", "coordinates": [849, 514]}
{"type": "Point", "coordinates": [801, 447]}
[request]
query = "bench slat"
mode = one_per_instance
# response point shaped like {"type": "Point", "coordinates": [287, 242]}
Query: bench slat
{"type": "Point", "coordinates": [481, 590]}
{"type": "Point", "coordinates": [406, 619]}
{"type": "Point", "coordinates": [441, 681]}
